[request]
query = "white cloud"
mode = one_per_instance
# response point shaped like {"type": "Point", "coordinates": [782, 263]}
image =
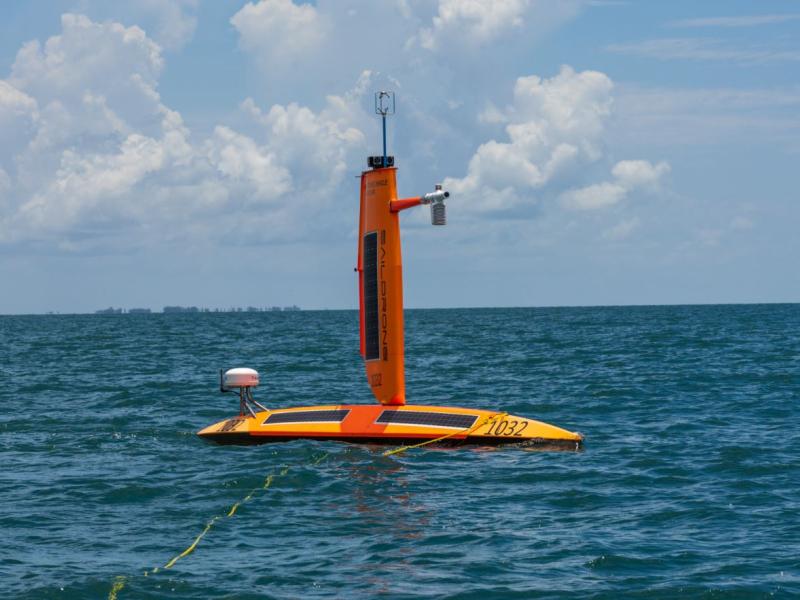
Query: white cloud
{"type": "Point", "coordinates": [477, 21]}
{"type": "Point", "coordinates": [553, 125]}
{"type": "Point", "coordinates": [633, 174]}
{"type": "Point", "coordinates": [91, 80]}
{"type": "Point", "coordinates": [170, 23]}
{"type": "Point", "coordinates": [279, 30]}
{"type": "Point", "coordinates": [436, 111]}
{"type": "Point", "coordinates": [175, 21]}
{"type": "Point", "coordinates": [319, 145]}
{"type": "Point", "coordinates": [492, 115]}
{"type": "Point", "coordinates": [87, 54]}
{"type": "Point", "coordinates": [83, 186]}
{"type": "Point", "coordinates": [597, 195]}
{"type": "Point", "coordinates": [629, 175]}
{"type": "Point", "coordinates": [19, 114]}
{"type": "Point", "coordinates": [238, 157]}
{"type": "Point", "coordinates": [14, 103]}
{"type": "Point", "coordinates": [101, 153]}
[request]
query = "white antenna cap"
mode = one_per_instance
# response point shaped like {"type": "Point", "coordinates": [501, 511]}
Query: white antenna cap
{"type": "Point", "coordinates": [240, 377]}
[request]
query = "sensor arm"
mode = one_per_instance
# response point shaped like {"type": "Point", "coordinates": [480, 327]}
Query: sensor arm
{"type": "Point", "coordinates": [397, 205]}
{"type": "Point", "coordinates": [436, 197]}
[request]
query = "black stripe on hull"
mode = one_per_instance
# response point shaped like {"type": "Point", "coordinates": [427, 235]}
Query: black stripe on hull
{"type": "Point", "coordinates": [245, 439]}
{"type": "Point", "coordinates": [307, 416]}
{"type": "Point", "coordinates": [434, 419]}
{"type": "Point", "coordinates": [371, 315]}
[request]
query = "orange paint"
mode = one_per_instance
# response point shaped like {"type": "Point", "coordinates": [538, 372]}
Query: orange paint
{"type": "Point", "coordinates": [385, 371]}
{"type": "Point", "coordinates": [362, 422]}
{"type": "Point", "coordinates": [398, 205]}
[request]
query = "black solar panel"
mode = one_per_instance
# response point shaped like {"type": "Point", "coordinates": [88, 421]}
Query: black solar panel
{"type": "Point", "coordinates": [414, 417]}
{"type": "Point", "coordinates": [371, 317]}
{"type": "Point", "coordinates": [307, 416]}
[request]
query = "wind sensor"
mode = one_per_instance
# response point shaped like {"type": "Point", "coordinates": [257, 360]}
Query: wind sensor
{"type": "Point", "coordinates": [384, 106]}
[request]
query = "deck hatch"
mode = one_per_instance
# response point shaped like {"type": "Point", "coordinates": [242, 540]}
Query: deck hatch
{"type": "Point", "coordinates": [307, 416]}
{"type": "Point", "coordinates": [434, 419]}
{"type": "Point", "coordinates": [371, 317]}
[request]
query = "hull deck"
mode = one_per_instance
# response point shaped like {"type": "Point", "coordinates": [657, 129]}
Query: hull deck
{"type": "Point", "coordinates": [392, 425]}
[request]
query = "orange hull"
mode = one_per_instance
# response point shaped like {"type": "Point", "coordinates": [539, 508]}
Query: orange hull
{"type": "Point", "coordinates": [375, 424]}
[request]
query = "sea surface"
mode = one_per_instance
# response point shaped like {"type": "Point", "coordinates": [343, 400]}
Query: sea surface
{"type": "Point", "coordinates": [688, 486]}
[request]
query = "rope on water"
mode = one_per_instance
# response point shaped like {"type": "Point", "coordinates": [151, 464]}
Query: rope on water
{"type": "Point", "coordinates": [121, 580]}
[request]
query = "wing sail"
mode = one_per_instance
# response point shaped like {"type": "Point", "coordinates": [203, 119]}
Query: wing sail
{"type": "Point", "coordinates": [381, 287]}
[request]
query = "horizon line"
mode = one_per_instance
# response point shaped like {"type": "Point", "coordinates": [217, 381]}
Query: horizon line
{"type": "Point", "coordinates": [206, 310]}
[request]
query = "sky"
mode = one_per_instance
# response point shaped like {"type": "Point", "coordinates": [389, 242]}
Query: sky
{"type": "Point", "coordinates": [207, 153]}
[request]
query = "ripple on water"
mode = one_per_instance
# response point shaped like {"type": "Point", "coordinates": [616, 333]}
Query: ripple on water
{"type": "Point", "coordinates": [688, 486]}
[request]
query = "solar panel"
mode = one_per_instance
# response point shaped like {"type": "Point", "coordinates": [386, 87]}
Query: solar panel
{"type": "Point", "coordinates": [436, 419]}
{"type": "Point", "coordinates": [371, 317]}
{"type": "Point", "coordinates": [307, 416]}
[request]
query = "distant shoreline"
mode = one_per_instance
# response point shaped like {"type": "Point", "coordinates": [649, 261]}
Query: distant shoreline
{"type": "Point", "coordinates": [294, 308]}
{"type": "Point", "coordinates": [194, 309]}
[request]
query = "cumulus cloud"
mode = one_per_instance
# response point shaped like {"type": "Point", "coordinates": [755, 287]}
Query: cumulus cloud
{"type": "Point", "coordinates": [95, 150]}
{"type": "Point", "coordinates": [475, 20]}
{"type": "Point", "coordinates": [555, 131]}
{"type": "Point", "coordinates": [241, 159]}
{"type": "Point", "coordinates": [170, 23]}
{"type": "Point", "coordinates": [629, 175]}
{"type": "Point", "coordinates": [84, 53]}
{"type": "Point", "coordinates": [633, 174]}
{"type": "Point", "coordinates": [19, 114]}
{"type": "Point", "coordinates": [90, 94]}
{"type": "Point", "coordinates": [279, 30]}
{"type": "Point", "coordinates": [14, 103]}
{"type": "Point", "coordinates": [175, 21]}
{"type": "Point", "coordinates": [597, 195]}
{"type": "Point", "coordinates": [553, 125]}
{"type": "Point", "coordinates": [477, 23]}
{"type": "Point", "coordinates": [319, 145]}
{"type": "Point", "coordinates": [91, 80]}
{"type": "Point", "coordinates": [91, 149]}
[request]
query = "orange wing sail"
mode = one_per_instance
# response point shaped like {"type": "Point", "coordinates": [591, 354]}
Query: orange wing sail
{"type": "Point", "coordinates": [381, 286]}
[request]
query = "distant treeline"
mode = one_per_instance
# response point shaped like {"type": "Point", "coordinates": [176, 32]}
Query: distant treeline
{"type": "Point", "coordinates": [194, 309]}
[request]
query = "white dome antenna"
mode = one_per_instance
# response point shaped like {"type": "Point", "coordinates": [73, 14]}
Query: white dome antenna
{"type": "Point", "coordinates": [241, 380]}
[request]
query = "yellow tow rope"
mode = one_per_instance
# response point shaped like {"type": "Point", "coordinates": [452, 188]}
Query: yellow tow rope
{"type": "Point", "coordinates": [468, 430]}
{"type": "Point", "coordinates": [119, 583]}
{"type": "Point", "coordinates": [121, 580]}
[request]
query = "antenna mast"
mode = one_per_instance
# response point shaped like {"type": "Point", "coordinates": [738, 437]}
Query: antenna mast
{"type": "Point", "coordinates": [384, 105]}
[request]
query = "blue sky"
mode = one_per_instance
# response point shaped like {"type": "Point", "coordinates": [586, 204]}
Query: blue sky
{"type": "Point", "coordinates": [206, 153]}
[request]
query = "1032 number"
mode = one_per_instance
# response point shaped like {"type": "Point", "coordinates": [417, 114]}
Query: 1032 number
{"type": "Point", "coordinates": [507, 428]}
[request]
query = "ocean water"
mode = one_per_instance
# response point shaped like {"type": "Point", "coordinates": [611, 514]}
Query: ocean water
{"type": "Point", "coordinates": [689, 484]}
